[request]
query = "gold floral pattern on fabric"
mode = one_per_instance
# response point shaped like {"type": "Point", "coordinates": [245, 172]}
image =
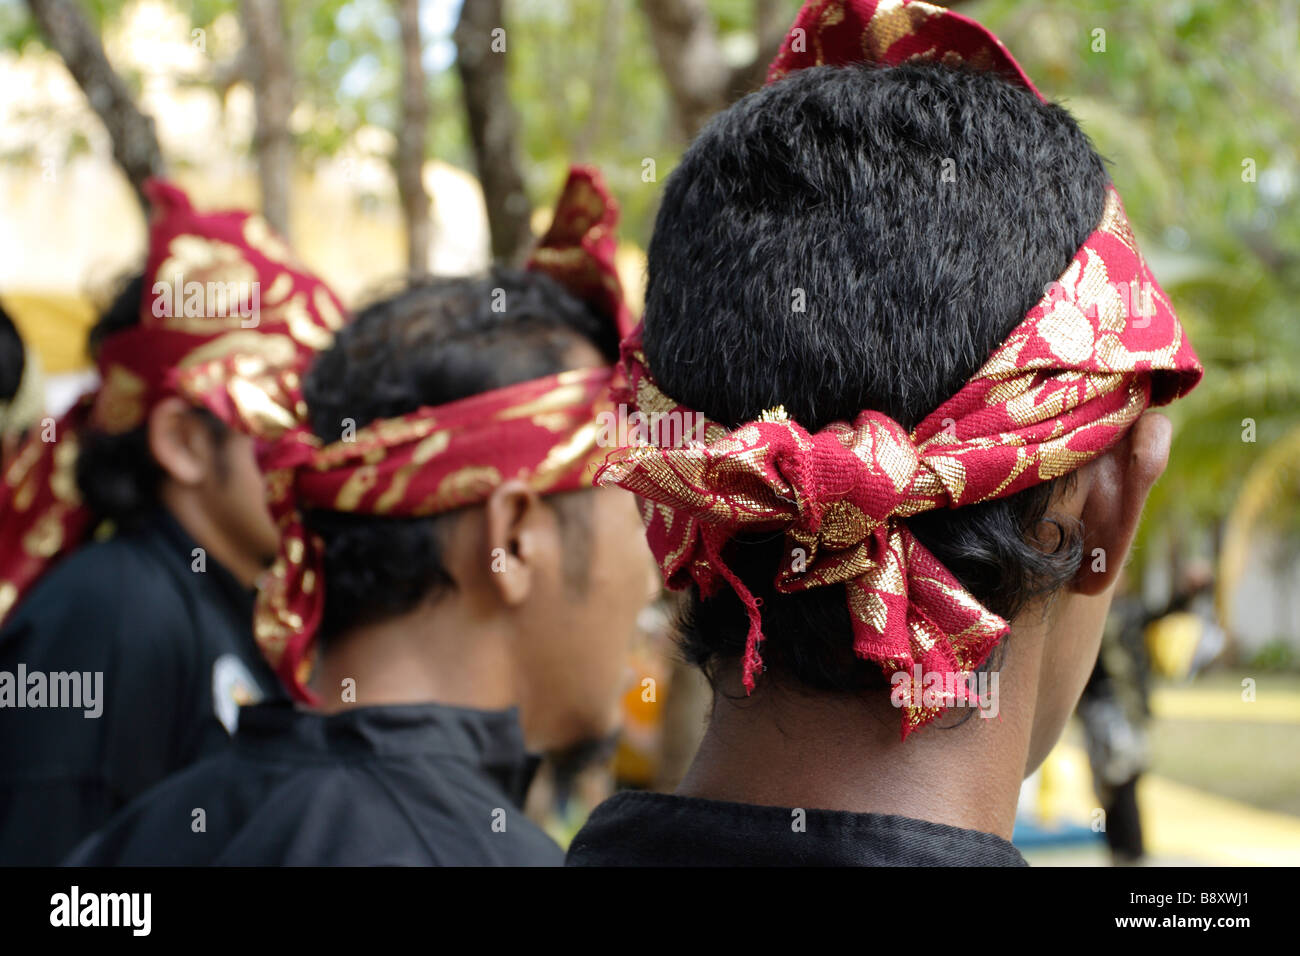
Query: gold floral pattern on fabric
{"type": "Point", "coordinates": [46, 537]}
{"type": "Point", "coordinates": [8, 597]}
{"type": "Point", "coordinates": [889, 32]}
{"type": "Point", "coordinates": [120, 405]}
{"type": "Point", "coordinates": [428, 462]}
{"type": "Point", "coordinates": [271, 349]}
{"type": "Point", "coordinates": [578, 249]}
{"type": "Point", "coordinates": [1067, 383]}
{"type": "Point", "coordinates": [259, 235]}
{"type": "Point", "coordinates": [894, 21]}
{"type": "Point", "coordinates": [217, 286]}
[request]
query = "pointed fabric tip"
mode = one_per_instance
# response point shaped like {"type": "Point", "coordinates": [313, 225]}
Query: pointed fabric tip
{"type": "Point", "coordinates": [166, 197]}
{"type": "Point", "coordinates": [585, 201]}
{"type": "Point", "coordinates": [580, 247]}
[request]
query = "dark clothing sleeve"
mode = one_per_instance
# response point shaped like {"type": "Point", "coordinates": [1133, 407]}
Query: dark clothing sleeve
{"type": "Point", "coordinates": [365, 813]}
{"type": "Point", "coordinates": [64, 771]}
{"type": "Point", "coordinates": [399, 785]}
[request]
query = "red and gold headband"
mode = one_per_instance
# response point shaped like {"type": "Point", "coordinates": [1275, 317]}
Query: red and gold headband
{"type": "Point", "coordinates": [428, 462]}
{"type": "Point", "coordinates": [217, 285]}
{"type": "Point", "coordinates": [1068, 382]}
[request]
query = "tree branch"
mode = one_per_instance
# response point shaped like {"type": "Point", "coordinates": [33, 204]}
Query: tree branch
{"type": "Point", "coordinates": [770, 26]}
{"type": "Point", "coordinates": [493, 127]}
{"type": "Point", "coordinates": [412, 134]}
{"type": "Point", "coordinates": [268, 60]}
{"type": "Point", "coordinates": [135, 143]}
{"type": "Point", "coordinates": [686, 46]}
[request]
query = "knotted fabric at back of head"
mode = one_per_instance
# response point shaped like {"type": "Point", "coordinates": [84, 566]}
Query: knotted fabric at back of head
{"type": "Point", "coordinates": [1101, 346]}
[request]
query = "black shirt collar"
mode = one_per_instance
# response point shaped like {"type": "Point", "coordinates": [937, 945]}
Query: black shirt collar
{"type": "Point", "coordinates": [656, 829]}
{"type": "Point", "coordinates": [179, 545]}
{"type": "Point", "coordinates": [491, 740]}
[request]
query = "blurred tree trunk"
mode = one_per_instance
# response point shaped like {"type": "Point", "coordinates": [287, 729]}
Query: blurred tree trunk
{"type": "Point", "coordinates": [135, 144]}
{"type": "Point", "coordinates": [494, 126]}
{"type": "Point", "coordinates": [772, 19]}
{"type": "Point", "coordinates": [272, 75]}
{"type": "Point", "coordinates": [686, 44]}
{"type": "Point", "coordinates": [411, 136]}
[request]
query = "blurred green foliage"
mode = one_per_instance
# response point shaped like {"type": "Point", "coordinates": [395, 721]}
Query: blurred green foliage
{"type": "Point", "coordinates": [1186, 101]}
{"type": "Point", "coordinates": [583, 76]}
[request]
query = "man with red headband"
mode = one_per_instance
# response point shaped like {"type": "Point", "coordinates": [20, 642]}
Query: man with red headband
{"type": "Point", "coordinates": [906, 298]}
{"type": "Point", "coordinates": [125, 659]}
{"type": "Point", "coordinates": [465, 595]}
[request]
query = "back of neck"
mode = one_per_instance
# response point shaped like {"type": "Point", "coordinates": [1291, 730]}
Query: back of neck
{"type": "Point", "coordinates": [429, 654]}
{"type": "Point", "coordinates": [791, 747]}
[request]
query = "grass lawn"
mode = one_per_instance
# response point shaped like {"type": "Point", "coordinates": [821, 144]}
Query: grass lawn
{"type": "Point", "coordinates": [1255, 759]}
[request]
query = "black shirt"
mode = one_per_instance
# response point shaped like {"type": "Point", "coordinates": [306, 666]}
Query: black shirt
{"type": "Point", "coordinates": [176, 653]}
{"type": "Point", "coordinates": [413, 785]}
{"type": "Point", "coordinates": [658, 829]}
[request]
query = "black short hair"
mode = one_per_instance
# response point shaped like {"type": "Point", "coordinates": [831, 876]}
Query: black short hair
{"type": "Point", "coordinates": [13, 358]}
{"type": "Point", "coordinates": [438, 341]}
{"type": "Point", "coordinates": [918, 211]}
{"type": "Point", "coordinates": [116, 473]}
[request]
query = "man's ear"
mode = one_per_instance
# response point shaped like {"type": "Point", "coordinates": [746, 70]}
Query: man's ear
{"type": "Point", "coordinates": [520, 534]}
{"type": "Point", "coordinates": [181, 442]}
{"type": "Point", "coordinates": [1118, 484]}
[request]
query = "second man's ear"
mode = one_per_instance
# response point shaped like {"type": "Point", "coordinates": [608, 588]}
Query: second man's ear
{"type": "Point", "coordinates": [181, 442]}
{"type": "Point", "coordinates": [517, 527]}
